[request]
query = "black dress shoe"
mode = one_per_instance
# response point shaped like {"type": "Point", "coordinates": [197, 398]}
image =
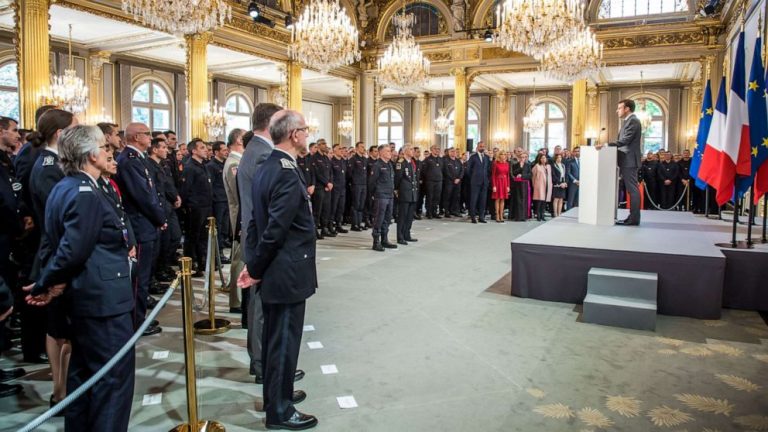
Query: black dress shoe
{"type": "Point", "coordinates": [482, 221]}
{"type": "Point", "coordinates": [52, 403]}
{"type": "Point", "coordinates": [474, 221]}
{"type": "Point", "coordinates": [402, 242]}
{"type": "Point", "coordinates": [438, 216]}
{"type": "Point", "coordinates": [388, 245]}
{"type": "Point", "coordinates": [411, 239]}
{"type": "Point", "coordinates": [298, 421]}
{"type": "Point", "coordinates": [298, 396]}
{"type": "Point", "coordinates": [627, 223]}
{"type": "Point", "coordinates": [151, 302]}
{"type": "Point", "coordinates": [14, 389]}
{"type": "Point", "coordinates": [38, 359]}
{"type": "Point", "coordinates": [341, 230]}
{"type": "Point", "coordinates": [417, 217]}
{"type": "Point", "coordinates": [11, 374]}
{"type": "Point", "coordinates": [259, 379]}
{"type": "Point", "coordinates": [355, 228]}
{"type": "Point", "coordinates": [152, 330]}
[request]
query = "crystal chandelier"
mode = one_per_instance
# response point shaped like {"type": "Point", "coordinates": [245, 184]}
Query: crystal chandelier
{"type": "Point", "coordinates": [313, 125]}
{"type": "Point", "coordinates": [534, 119]}
{"type": "Point", "coordinates": [214, 119]}
{"type": "Point", "coordinates": [580, 58]}
{"type": "Point", "coordinates": [442, 122]}
{"type": "Point", "coordinates": [69, 92]}
{"type": "Point", "coordinates": [403, 66]}
{"type": "Point", "coordinates": [347, 124]}
{"type": "Point", "coordinates": [180, 16]}
{"type": "Point", "coordinates": [641, 113]}
{"type": "Point", "coordinates": [323, 37]}
{"type": "Point", "coordinates": [534, 27]}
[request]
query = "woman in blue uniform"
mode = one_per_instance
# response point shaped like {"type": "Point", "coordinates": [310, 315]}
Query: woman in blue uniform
{"type": "Point", "coordinates": [86, 263]}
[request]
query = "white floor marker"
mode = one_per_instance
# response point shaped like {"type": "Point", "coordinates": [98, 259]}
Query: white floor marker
{"type": "Point", "coordinates": [314, 345]}
{"type": "Point", "coordinates": [160, 355]}
{"type": "Point", "coordinates": [329, 369]}
{"type": "Point", "coordinates": [308, 328]}
{"type": "Point", "coordinates": [152, 399]}
{"type": "Point", "coordinates": [325, 259]}
{"type": "Point", "coordinates": [346, 402]}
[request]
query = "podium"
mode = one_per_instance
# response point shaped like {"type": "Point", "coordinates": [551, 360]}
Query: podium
{"type": "Point", "coordinates": [597, 186]}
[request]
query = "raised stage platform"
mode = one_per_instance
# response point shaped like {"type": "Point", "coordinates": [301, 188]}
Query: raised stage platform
{"type": "Point", "coordinates": [696, 278]}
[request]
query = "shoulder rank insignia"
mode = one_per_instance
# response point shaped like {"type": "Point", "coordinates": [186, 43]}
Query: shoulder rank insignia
{"type": "Point", "coordinates": [287, 164]}
{"type": "Point", "coordinates": [48, 161]}
{"type": "Point", "coordinates": [85, 189]}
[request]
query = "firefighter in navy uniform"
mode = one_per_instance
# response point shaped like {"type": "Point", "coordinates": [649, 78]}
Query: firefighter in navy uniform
{"type": "Point", "coordinates": [358, 177]}
{"type": "Point", "coordinates": [407, 194]}
{"type": "Point", "coordinates": [215, 169]}
{"type": "Point", "coordinates": [147, 216]}
{"type": "Point", "coordinates": [453, 172]}
{"type": "Point", "coordinates": [197, 197]}
{"type": "Point", "coordinates": [381, 186]}
{"type": "Point", "coordinates": [339, 192]}
{"type": "Point", "coordinates": [321, 199]}
{"type": "Point", "coordinates": [373, 156]}
{"type": "Point", "coordinates": [432, 174]}
{"type": "Point", "coordinates": [305, 164]}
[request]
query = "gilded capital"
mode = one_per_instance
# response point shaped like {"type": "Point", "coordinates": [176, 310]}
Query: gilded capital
{"type": "Point", "coordinates": [97, 60]}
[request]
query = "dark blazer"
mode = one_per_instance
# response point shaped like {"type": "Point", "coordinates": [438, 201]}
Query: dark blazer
{"type": "Point", "coordinates": [629, 143]}
{"type": "Point", "coordinates": [196, 189]}
{"type": "Point", "coordinates": [23, 163]}
{"type": "Point", "coordinates": [406, 181]}
{"type": "Point", "coordinates": [479, 172]}
{"type": "Point", "coordinates": [381, 180]}
{"type": "Point", "coordinates": [216, 173]}
{"type": "Point", "coordinates": [87, 249]}
{"type": "Point", "coordinates": [281, 233]}
{"type": "Point", "coordinates": [44, 176]}
{"type": "Point", "coordinates": [556, 174]}
{"type": "Point", "coordinates": [357, 170]}
{"type": "Point", "coordinates": [139, 194]}
{"type": "Point", "coordinates": [256, 152]}
{"type": "Point", "coordinates": [574, 170]}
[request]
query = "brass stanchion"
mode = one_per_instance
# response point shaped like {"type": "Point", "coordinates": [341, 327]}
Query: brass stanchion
{"type": "Point", "coordinates": [212, 325]}
{"type": "Point", "coordinates": [193, 425]}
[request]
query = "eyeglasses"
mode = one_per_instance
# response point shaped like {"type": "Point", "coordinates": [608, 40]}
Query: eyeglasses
{"type": "Point", "coordinates": [303, 129]}
{"type": "Point", "coordinates": [147, 133]}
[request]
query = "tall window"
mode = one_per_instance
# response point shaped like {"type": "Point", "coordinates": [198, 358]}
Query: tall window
{"type": "Point", "coordinates": [238, 111]}
{"type": "Point", "coordinates": [9, 91]}
{"type": "Point", "coordinates": [655, 136]}
{"type": "Point", "coordinates": [553, 132]}
{"type": "Point", "coordinates": [427, 20]}
{"type": "Point", "coordinates": [151, 105]}
{"type": "Point", "coordinates": [629, 8]}
{"type": "Point", "coordinates": [391, 127]}
{"type": "Point", "coordinates": [473, 126]}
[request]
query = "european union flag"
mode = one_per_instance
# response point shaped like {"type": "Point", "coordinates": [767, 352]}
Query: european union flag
{"type": "Point", "coordinates": [707, 109]}
{"type": "Point", "coordinates": [758, 118]}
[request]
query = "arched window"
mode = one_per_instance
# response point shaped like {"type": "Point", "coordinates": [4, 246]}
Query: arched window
{"type": "Point", "coordinates": [391, 127]}
{"type": "Point", "coordinates": [655, 135]}
{"type": "Point", "coordinates": [151, 105]}
{"type": "Point", "coordinates": [630, 8]}
{"type": "Point", "coordinates": [553, 132]}
{"type": "Point", "coordinates": [238, 112]}
{"type": "Point", "coordinates": [427, 20]}
{"type": "Point", "coordinates": [9, 91]}
{"type": "Point", "coordinates": [473, 126]}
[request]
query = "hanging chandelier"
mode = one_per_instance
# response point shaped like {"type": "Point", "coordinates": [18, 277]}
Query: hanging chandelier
{"type": "Point", "coordinates": [313, 125]}
{"type": "Point", "coordinates": [281, 93]}
{"type": "Point", "coordinates": [403, 66]}
{"type": "Point", "coordinates": [580, 58]}
{"type": "Point", "coordinates": [534, 27]}
{"type": "Point", "coordinates": [68, 91]}
{"type": "Point", "coordinates": [347, 124]}
{"type": "Point", "coordinates": [442, 122]}
{"type": "Point", "coordinates": [534, 119]}
{"type": "Point", "coordinates": [323, 37]}
{"type": "Point", "coordinates": [641, 113]}
{"type": "Point", "coordinates": [180, 16]}
{"type": "Point", "coordinates": [214, 119]}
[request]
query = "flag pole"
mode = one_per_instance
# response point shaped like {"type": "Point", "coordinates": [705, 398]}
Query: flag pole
{"type": "Point", "coordinates": [751, 216]}
{"type": "Point", "coordinates": [765, 216]}
{"type": "Point", "coordinates": [734, 244]}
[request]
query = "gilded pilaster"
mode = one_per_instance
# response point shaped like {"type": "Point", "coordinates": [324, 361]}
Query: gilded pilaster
{"type": "Point", "coordinates": [96, 61]}
{"type": "Point", "coordinates": [460, 100]}
{"type": "Point", "coordinates": [294, 86]}
{"type": "Point", "coordinates": [579, 110]}
{"type": "Point", "coordinates": [32, 55]}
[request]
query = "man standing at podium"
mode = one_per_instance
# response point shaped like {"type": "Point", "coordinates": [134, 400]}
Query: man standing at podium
{"type": "Point", "coordinates": [629, 155]}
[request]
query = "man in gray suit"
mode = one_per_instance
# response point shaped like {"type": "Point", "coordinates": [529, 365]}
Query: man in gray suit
{"type": "Point", "coordinates": [235, 145]}
{"type": "Point", "coordinates": [629, 155]}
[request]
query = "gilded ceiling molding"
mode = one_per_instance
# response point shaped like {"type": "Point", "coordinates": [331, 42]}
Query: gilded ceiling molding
{"type": "Point", "coordinates": [388, 8]}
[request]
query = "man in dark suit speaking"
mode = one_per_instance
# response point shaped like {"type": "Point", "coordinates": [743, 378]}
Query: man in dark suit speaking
{"type": "Point", "coordinates": [280, 258]}
{"type": "Point", "coordinates": [479, 171]}
{"type": "Point", "coordinates": [629, 155]}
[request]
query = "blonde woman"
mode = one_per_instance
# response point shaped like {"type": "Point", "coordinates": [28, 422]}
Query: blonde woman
{"type": "Point", "coordinates": [500, 183]}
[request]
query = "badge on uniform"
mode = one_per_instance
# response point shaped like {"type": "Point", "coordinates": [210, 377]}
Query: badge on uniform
{"type": "Point", "coordinates": [85, 189]}
{"type": "Point", "coordinates": [48, 161]}
{"type": "Point", "coordinates": [16, 186]}
{"type": "Point", "coordinates": [398, 166]}
{"type": "Point", "coordinates": [287, 164]}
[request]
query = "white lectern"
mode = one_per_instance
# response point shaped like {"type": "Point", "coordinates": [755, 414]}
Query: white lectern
{"type": "Point", "coordinates": [597, 186]}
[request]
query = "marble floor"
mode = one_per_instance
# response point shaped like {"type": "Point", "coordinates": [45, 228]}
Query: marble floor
{"type": "Point", "coordinates": [426, 338]}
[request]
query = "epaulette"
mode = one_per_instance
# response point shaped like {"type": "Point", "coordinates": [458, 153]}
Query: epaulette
{"type": "Point", "coordinates": [131, 155]}
{"type": "Point", "coordinates": [85, 187]}
{"type": "Point", "coordinates": [48, 161]}
{"type": "Point", "coordinates": [288, 164]}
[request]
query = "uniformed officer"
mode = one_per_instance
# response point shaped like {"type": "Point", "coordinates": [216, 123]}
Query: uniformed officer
{"type": "Point", "coordinates": [432, 173]}
{"type": "Point", "coordinates": [197, 196]}
{"type": "Point", "coordinates": [381, 186]}
{"type": "Point", "coordinates": [649, 176]}
{"type": "Point", "coordinates": [143, 207]}
{"type": "Point", "coordinates": [373, 156]}
{"type": "Point", "coordinates": [170, 238]}
{"type": "Point", "coordinates": [280, 260]}
{"type": "Point", "coordinates": [339, 192]}
{"type": "Point", "coordinates": [86, 259]}
{"type": "Point", "coordinates": [453, 172]}
{"type": "Point", "coordinates": [305, 165]}
{"type": "Point", "coordinates": [215, 169]}
{"type": "Point", "coordinates": [407, 192]}
{"type": "Point", "coordinates": [358, 177]}
{"type": "Point", "coordinates": [321, 200]}
{"type": "Point", "coordinates": [668, 174]}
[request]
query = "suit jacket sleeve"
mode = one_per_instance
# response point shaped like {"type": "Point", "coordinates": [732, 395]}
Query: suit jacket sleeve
{"type": "Point", "coordinates": [285, 201]}
{"type": "Point", "coordinates": [137, 187]}
{"type": "Point", "coordinates": [628, 133]}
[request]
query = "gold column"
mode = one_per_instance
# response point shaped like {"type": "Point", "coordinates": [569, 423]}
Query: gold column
{"type": "Point", "coordinates": [592, 125]}
{"type": "Point", "coordinates": [579, 113]}
{"type": "Point", "coordinates": [197, 81]}
{"type": "Point", "coordinates": [501, 135]}
{"type": "Point", "coordinates": [33, 53]}
{"type": "Point", "coordinates": [294, 86]}
{"type": "Point", "coordinates": [95, 89]}
{"type": "Point", "coordinates": [460, 100]}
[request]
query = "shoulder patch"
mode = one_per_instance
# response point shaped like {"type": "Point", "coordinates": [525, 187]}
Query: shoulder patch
{"type": "Point", "coordinates": [287, 164]}
{"type": "Point", "coordinates": [85, 189]}
{"type": "Point", "coordinates": [398, 165]}
{"type": "Point", "coordinates": [48, 161]}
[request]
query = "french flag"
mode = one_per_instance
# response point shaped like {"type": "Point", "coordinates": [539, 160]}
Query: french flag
{"type": "Point", "coordinates": [727, 153]}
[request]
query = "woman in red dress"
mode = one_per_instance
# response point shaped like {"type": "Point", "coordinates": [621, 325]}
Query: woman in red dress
{"type": "Point", "coordinates": [500, 182]}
